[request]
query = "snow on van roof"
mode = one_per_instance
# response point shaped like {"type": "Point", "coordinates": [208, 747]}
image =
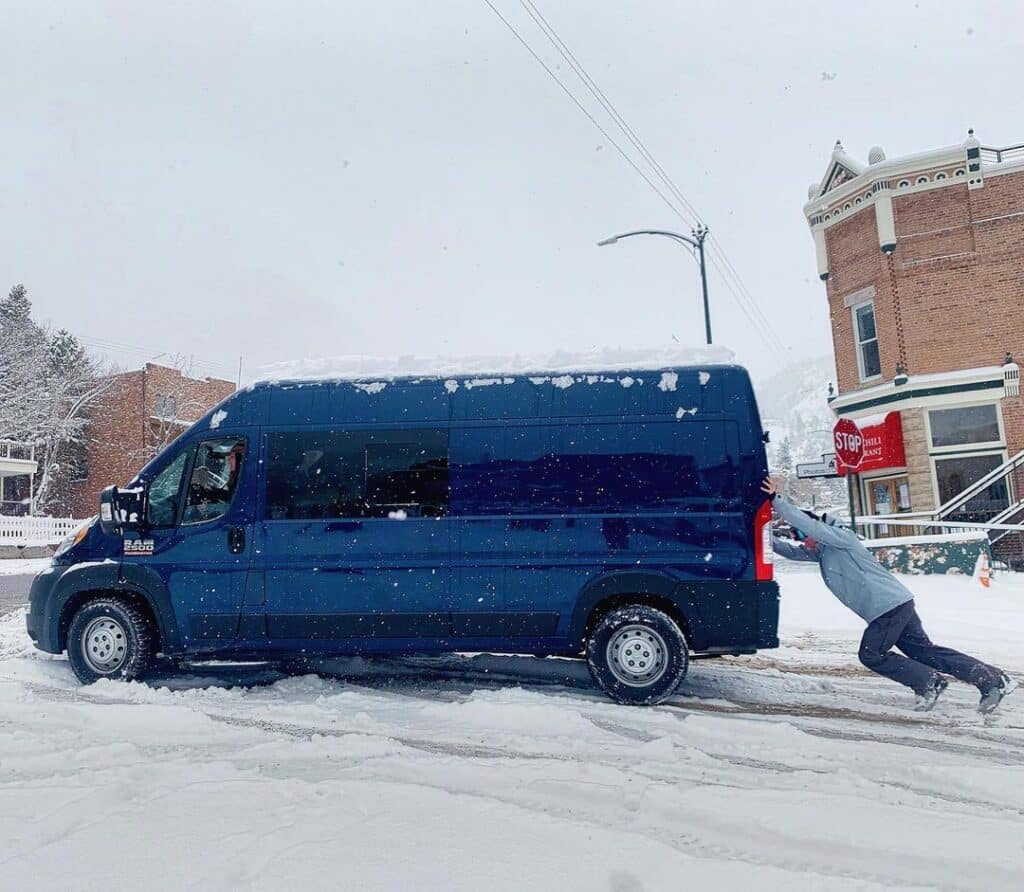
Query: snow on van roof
{"type": "Point", "coordinates": [603, 359]}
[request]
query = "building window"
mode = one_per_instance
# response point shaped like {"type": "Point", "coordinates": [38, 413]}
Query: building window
{"type": "Point", "coordinates": [964, 425]}
{"type": "Point", "coordinates": [953, 475]}
{"type": "Point", "coordinates": [166, 406]}
{"type": "Point", "coordinates": [868, 361]}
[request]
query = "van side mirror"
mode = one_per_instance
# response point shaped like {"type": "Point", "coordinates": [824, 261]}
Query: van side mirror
{"type": "Point", "coordinates": [122, 509]}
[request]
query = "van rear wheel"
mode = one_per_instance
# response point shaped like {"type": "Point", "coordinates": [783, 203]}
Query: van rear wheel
{"type": "Point", "coordinates": [637, 654]}
{"type": "Point", "coordinates": [110, 637]}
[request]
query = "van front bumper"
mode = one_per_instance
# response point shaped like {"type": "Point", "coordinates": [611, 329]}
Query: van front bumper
{"type": "Point", "coordinates": [40, 629]}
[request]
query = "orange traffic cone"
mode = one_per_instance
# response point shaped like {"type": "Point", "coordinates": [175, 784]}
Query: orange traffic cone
{"type": "Point", "coordinates": [983, 571]}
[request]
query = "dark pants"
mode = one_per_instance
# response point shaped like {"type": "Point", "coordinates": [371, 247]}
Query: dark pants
{"type": "Point", "coordinates": [902, 628]}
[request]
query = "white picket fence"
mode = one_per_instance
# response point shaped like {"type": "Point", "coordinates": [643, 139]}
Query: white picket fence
{"type": "Point", "coordinates": [20, 531]}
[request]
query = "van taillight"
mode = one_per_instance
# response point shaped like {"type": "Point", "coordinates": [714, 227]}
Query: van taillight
{"type": "Point", "coordinates": [764, 557]}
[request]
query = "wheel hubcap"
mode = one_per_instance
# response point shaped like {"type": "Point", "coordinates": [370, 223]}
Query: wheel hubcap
{"type": "Point", "coordinates": [637, 656]}
{"type": "Point", "coordinates": [104, 645]}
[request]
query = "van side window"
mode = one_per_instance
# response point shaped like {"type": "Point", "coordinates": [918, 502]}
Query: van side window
{"type": "Point", "coordinates": [336, 474]}
{"type": "Point", "coordinates": [596, 468]}
{"type": "Point", "coordinates": [660, 466]}
{"type": "Point", "coordinates": [162, 510]}
{"type": "Point", "coordinates": [214, 479]}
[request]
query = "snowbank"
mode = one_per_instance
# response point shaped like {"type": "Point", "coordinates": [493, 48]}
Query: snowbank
{"type": "Point", "coordinates": [597, 360]}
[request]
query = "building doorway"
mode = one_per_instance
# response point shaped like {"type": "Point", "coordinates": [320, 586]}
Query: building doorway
{"type": "Point", "coordinates": [888, 495]}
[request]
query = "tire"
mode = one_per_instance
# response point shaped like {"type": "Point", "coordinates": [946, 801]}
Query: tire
{"type": "Point", "coordinates": [110, 637]}
{"type": "Point", "coordinates": [656, 644]}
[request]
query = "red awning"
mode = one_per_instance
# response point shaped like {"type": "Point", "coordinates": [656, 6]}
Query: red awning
{"type": "Point", "coordinates": [883, 445]}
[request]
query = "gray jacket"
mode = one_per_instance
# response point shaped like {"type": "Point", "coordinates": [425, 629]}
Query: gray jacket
{"type": "Point", "coordinates": [850, 571]}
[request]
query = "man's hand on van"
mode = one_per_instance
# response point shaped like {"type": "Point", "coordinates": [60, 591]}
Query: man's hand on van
{"type": "Point", "coordinates": [767, 486]}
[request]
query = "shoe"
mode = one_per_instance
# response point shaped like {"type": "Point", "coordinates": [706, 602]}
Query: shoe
{"type": "Point", "coordinates": [924, 702]}
{"type": "Point", "coordinates": [991, 699]}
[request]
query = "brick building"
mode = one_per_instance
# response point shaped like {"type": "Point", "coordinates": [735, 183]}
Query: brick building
{"type": "Point", "coordinates": [140, 413]}
{"type": "Point", "coordinates": [923, 263]}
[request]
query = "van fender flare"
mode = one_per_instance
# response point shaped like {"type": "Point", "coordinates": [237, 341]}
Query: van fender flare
{"type": "Point", "coordinates": [113, 577]}
{"type": "Point", "coordinates": [631, 582]}
{"type": "Point", "coordinates": [146, 583]}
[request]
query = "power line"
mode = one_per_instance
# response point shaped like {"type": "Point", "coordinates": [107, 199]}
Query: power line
{"type": "Point", "coordinates": [742, 295]}
{"type": "Point", "coordinates": [153, 355]}
{"type": "Point", "coordinates": [718, 251]}
{"type": "Point", "coordinates": [730, 276]}
{"type": "Point", "coordinates": [135, 348]}
{"type": "Point", "coordinates": [580, 106]}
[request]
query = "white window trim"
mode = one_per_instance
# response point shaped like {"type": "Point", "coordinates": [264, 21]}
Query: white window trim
{"type": "Point", "coordinates": [989, 445]}
{"type": "Point", "coordinates": [932, 459]}
{"type": "Point", "coordinates": [857, 341]}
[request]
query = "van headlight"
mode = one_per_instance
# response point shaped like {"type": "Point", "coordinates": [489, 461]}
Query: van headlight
{"type": "Point", "coordinates": [72, 540]}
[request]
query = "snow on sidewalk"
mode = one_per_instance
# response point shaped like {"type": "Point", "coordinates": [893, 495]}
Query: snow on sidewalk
{"type": "Point", "coordinates": [799, 773]}
{"type": "Point", "coordinates": [23, 566]}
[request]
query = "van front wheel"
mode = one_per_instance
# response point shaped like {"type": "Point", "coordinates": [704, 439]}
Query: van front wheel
{"type": "Point", "coordinates": [110, 638]}
{"type": "Point", "coordinates": [637, 654]}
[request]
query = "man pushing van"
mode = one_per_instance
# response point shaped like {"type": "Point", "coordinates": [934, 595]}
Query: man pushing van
{"type": "Point", "coordinates": [860, 582]}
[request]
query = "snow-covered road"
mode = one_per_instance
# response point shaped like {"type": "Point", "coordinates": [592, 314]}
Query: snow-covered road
{"type": "Point", "coordinates": [790, 770]}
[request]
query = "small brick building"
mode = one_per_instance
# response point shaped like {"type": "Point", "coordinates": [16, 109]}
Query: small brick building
{"type": "Point", "coordinates": [923, 263]}
{"type": "Point", "coordinates": [140, 413]}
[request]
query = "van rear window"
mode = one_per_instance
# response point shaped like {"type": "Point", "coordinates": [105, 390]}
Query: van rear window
{"type": "Point", "coordinates": [337, 474]}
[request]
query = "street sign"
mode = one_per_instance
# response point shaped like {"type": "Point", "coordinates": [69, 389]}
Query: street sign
{"type": "Point", "coordinates": [814, 470]}
{"type": "Point", "coordinates": [849, 443]}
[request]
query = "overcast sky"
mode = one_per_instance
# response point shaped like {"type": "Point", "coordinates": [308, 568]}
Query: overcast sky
{"type": "Point", "coordinates": [279, 180]}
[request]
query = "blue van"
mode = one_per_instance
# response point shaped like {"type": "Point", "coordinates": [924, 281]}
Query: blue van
{"type": "Point", "coordinates": [615, 516]}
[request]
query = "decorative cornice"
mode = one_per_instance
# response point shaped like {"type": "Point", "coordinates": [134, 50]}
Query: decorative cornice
{"type": "Point", "coordinates": [873, 178]}
{"type": "Point", "coordinates": [916, 388]}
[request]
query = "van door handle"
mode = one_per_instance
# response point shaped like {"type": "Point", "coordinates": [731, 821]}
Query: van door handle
{"type": "Point", "coordinates": [236, 540]}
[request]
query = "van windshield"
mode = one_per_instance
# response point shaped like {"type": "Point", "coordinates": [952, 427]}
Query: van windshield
{"type": "Point", "coordinates": [163, 493]}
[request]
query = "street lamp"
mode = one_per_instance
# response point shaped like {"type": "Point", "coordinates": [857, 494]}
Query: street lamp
{"type": "Point", "coordinates": [699, 234]}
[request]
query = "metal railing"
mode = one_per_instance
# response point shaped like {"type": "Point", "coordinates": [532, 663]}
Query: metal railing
{"type": "Point", "coordinates": [993, 155]}
{"type": "Point", "coordinates": [997, 475]}
{"type": "Point", "coordinates": [993, 503]}
{"type": "Point", "coordinates": [14, 451]}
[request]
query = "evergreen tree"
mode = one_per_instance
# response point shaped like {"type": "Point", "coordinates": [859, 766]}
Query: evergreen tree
{"type": "Point", "coordinates": [47, 384]}
{"type": "Point", "coordinates": [16, 308]}
{"type": "Point", "coordinates": [784, 459]}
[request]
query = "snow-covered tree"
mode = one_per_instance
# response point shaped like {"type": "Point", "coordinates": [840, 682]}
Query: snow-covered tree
{"type": "Point", "coordinates": [47, 383]}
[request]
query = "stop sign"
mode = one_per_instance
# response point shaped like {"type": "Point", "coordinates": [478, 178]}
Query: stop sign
{"type": "Point", "coordinates": [849, 443]}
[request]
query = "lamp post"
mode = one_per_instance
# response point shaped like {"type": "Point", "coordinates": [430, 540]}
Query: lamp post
{"type": "Point", "coordinates": [697, 241]}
